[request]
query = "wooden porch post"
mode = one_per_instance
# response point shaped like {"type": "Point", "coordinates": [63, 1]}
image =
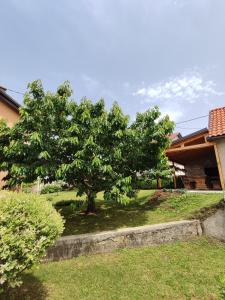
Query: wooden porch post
{"type": "Point", "coordinates": [219, 166]}
{"type": "Point", "coordinates": [174, 177]}
{"type": "Point", "coordinates": [174, 182]}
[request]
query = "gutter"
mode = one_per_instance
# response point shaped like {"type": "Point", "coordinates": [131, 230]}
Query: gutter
{"type": "Point", "coordinates": [214, 138]}
{"type": "Point", "coordinates": [8, 99]}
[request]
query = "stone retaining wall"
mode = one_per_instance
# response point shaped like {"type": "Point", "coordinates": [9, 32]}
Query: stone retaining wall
{"type": "Point", "coordinates": [215, 225]}
{"type": "Point", "coordinates": [76, 245]}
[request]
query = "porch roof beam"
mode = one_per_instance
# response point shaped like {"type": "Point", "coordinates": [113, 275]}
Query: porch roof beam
{"type": "Point", "coordinates": [185, 148]}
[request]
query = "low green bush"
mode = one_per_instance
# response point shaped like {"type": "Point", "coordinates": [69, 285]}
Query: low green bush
{"type": "Point", "coordinates": [28, 226]}
{"type": "Point", "coordinates": [145, 184]}
{"type": "Point", "coordinates": [77, 205]}
{"type": "Point", "coordinates": [51, 188]}
{"type": "Point", "coordinates": [167, 183]}
{"type": "Point", "coordinates": [27, 187]}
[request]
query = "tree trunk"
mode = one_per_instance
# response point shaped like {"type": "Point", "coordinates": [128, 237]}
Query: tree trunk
{"type": "Point", "coordinates": [159, 183]}
{"type": "Point", "coordinates": [90, 203]}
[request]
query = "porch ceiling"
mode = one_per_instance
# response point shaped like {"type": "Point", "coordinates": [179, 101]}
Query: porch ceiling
{"type": "Point", "coordinates": [184, 156]}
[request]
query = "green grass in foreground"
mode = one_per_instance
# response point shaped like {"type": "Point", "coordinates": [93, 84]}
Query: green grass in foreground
{"type": "Point", "coordinates": [139, 211]}
{"type": "Point", "coordinates": [183, 270]}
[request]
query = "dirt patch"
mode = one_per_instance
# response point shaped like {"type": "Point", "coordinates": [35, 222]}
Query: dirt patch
{"type": "Point", "coordinates": [161, 195]}
{"type": "Point", "coordinates": [206, 212]}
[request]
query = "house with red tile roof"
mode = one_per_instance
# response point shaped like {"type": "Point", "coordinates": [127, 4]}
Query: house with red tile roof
{"type": "Point", "coordinates": [9, 108]}
{"type": "Point", "coordinates": [202, 153]}
{"type": "Point", "coordinates": [9, 111]}
{"type": "Point", "coordinates": [217, 123]}
{"type": "Point", "coordinates": [217, 136]}
{"type": "Point", "coordinates": [175, 136]}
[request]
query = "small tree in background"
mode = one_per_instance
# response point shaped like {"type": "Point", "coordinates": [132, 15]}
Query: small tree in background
{"type": "Point", "coordinates": [84, 144]}
{"type": "Point", "coordinates": [161, 171]}
{"type": "Point", "coordinates": [33, 143]}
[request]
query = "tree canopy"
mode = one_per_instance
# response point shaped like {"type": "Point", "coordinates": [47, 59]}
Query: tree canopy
{"type": "Point", "coordinates": [33, 148]}
{"type": "Point", "coordinates": [83, 143]}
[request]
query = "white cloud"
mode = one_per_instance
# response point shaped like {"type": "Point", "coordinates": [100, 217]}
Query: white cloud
{"type": "Point", "coordinates": [181, 3]}
{"type": "Point", "coordinates": [90, 83]}
{"type": "Point", "coordinates": [175, 115]}
{"type": "Point", "coordinates": [97, 88]}
{"type": "Point", "coordinates": [126, 85]}
{"type": "Point", "coordinates": [188, 87]}
{"type": "Point", "coordinates": [98, 10]}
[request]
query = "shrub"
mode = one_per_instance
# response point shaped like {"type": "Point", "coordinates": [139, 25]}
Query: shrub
{"type": "Point", "coordinates": [77, 205]}
{"type": "Point", "coordinates": [28, 226]}
{"type": "Point", "coordinates": [168, 183]}
{"type": "Point", "coordinates": [181, 191]}
{"type": "Point", "coordinates": [145, 184]}
{"type": "Point", "coordinates": [51, 188]}
{"type": "Point", "coordinates": [27, 187]}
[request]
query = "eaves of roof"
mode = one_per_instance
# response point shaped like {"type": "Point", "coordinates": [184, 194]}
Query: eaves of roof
{"type": "Point", "coordinates": [204, 130]}
{"type": "Point", "coordinates": [9, 100]}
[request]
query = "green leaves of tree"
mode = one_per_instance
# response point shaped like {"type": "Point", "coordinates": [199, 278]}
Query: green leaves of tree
{"type": "Point", "coordinates": [84, 144]}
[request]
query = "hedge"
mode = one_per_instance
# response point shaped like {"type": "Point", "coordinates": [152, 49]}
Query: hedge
{"type": "Point", "coordinates": [28, 226]}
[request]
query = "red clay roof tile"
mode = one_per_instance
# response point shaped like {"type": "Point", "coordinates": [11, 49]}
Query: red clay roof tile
{"type": "Point", "coordinates": [217, 122]}
{"type": "Point", "coordinates": [175, 136]}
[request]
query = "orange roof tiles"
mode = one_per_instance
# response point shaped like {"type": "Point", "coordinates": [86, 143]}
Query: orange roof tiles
{"type": "Point", "coordinates": [175, 136]}
{"type": "Point", "coordinates": [217, 122]}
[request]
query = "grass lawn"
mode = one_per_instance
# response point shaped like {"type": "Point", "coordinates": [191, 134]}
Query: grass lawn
{"type": "Point", "coordinates": [183, 270]}
{"type": "Point", "coordinates": [140, 211]}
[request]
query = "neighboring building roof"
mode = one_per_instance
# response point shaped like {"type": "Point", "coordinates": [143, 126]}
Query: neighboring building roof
{"type": "Point", "coordinates": [217, 123]}
{"type": "Point", "coordinates": [8, 99]}
{"type": "Point", "coordinates": [175, 136]}
{"type": "Point", "coordinates": [183, 138]}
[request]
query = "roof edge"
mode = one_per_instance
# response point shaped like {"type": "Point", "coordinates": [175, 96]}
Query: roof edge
{"type": "Point", "coordinates": [10, 101]}
{"type": "Point", "coordinates": [215, 121]}
{"type": "Point", "coordinates": [203, 130]}
{"type": "Point", "coordinates": [215, 137]}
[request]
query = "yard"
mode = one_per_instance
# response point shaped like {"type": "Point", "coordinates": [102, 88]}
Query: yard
{"type": "Point", "coordinates": [145, 209]}
{"type": "Point", "coordinates": [184, 270]}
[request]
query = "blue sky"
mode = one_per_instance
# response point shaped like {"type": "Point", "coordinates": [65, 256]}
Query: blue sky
{"type": "Point", "coordinates": [141, 53]}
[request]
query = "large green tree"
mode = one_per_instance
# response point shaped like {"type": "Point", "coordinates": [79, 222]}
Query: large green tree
{"type": "Point", "coordinates": [31, 147]}
{"type": "Point", "coordinates": [107, 154]}
{"type": "Point", "coordinates": [89, 147]}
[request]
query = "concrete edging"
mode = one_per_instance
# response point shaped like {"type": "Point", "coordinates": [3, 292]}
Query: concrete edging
{"type": "Point", "coordinates": [75, 245]}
